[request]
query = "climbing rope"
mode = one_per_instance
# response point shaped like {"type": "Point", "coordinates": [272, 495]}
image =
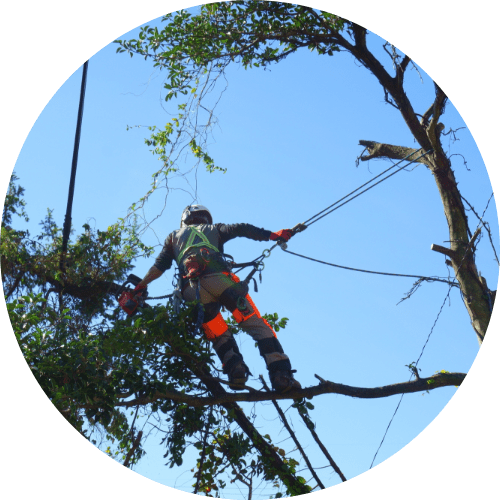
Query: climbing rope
{"type": "Point", "coordinates": [258, 264]}
{"type": "Point", "coordinates": [424, 278]}
{"type": "Point", "coordinates": [333, 206]}
{"type": "Point", "coordinates": [328, 210]}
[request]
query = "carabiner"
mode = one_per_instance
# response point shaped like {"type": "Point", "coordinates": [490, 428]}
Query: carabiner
{"type": "Point", "coordinates": [266, 255]}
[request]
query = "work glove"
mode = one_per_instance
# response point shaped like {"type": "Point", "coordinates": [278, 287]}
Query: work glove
{"type": "Point", "coordinates": [282, 234]}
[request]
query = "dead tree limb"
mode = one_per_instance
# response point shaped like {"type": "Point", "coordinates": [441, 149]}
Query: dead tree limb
{"type": "Point", "coordinates": [380, 150]}
{"type": "Point", "coordinates": [477, 303]}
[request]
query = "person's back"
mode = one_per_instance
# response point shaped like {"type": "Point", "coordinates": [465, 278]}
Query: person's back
{"type": "Point", "coordinates": [197, 248]}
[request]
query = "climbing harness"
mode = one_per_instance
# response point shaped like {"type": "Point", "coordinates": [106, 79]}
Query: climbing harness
{"type": "Point", "coordinates": [190, 245]}
{"type": "Point", "coordinates": [195, 264]}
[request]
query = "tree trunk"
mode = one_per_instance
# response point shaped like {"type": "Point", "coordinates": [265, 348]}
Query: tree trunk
{"type": "Point", "coordinates": [427, 133]}
{"type": "Point", "coordinates": [461, 251]}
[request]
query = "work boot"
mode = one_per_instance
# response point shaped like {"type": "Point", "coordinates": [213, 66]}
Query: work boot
{"type": "Point", "coordinates": [283, 381]}
{"type": "Point", "coordinates": [239, 376]}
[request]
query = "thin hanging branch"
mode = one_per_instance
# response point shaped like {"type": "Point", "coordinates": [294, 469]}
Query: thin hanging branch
{"type": "Point", "coordinates": [135, 445]}
{"type": "Point", "coordinates": [203, 453]}
{"type": "Point", "coordinates": [294, 437]}
{"type": "Point", "coordinates": [310, 426]}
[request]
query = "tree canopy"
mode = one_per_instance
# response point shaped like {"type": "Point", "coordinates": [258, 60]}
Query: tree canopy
{"type": "Point", "coordinates": [93, 363]}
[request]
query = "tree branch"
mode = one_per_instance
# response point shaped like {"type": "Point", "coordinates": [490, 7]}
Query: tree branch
{"type": "Point", "coordinates": [326, 387]}
{"type": "Point", "coordinates": [486, 226]}
{"type": "Point", "coordinates": [404, 63]}
{"type": "Point", "coordinates": [380, 150]}
{"type": "Point", "coordinates": [426, 116]}
{"type": "Point", "coordinates": [322, 447]}
{"type": "Point", "coordinates": [294, 437]}
{"type": "Point", "coordinates": [135, 445]}
{"type": "Point", "coordinates": [434, 128]}
{"type": "Point", "coordinates": [445, 251]}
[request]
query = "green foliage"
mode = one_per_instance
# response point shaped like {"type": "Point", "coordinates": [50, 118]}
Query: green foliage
{"type": "Point", "coordinates": [107, 373]}
{"type": "Point", "coordinates": [194, 47]}
{"type": "Point", "coordinates": [302, 407]}
{"type": "Point", "coordinates": [253, 33]}
{"type": "Point", "coordinates": [14, 203]}
{"type": "Point", "coordinates": [98, 366]}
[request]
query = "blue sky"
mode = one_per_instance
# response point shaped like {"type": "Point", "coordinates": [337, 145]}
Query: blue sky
{"type": "Point", "coordinates": [288, 138]}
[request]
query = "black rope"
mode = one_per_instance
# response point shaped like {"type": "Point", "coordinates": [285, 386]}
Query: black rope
{"type": "Point", "coordinates": [357, 189]}
{"type": "Point", "coordinates": [159, 298]}
{"type": "Point", "coordinates": [304, 225]}
{"type": "Point", "coordinates": [76, 146]}
{"type": "Point", "coordinates": [308, 221]}
{"type": "Point", "coordinates": [425, 278]}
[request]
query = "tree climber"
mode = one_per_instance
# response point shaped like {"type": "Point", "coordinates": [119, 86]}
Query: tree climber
{"type": "Point", "coordinates": [197, 247]}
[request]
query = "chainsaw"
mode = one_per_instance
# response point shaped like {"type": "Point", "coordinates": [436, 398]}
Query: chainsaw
{"type": "Point", "coordinates": [128, 300]}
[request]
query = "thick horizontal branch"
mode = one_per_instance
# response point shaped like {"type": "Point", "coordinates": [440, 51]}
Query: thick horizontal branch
{"type": "Point", "coordinates": [380, 150]}
{"type": "Point", "coordinates": [326, 387]}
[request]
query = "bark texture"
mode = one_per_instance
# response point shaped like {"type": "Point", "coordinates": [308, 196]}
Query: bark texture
{"type": "Point", "coordinates": [427, 133]}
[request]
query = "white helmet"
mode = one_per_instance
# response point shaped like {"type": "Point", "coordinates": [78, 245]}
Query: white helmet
{"type": "Point", "coordinates": [196, 214]}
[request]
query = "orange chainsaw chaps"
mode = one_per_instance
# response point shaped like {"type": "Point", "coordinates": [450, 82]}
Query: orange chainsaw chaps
{"type": "Point", "coordinates": [239, 316]}
{"type": "Point", "coordinates": [215, 327]}
{"type": "Point", "coordinates": [270, 327]}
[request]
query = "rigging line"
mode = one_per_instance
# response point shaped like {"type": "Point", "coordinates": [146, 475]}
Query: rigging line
{"type": "Point", "coordinates": [366, 183]}
{"type": "Point", "coordinates": [425, 278]}
{"type": "Point", "coordinates": [302, 226]}
{"type": "Point", "coordinates": [402, 395]}
{"type": "Point", "coordinates": [367, 189]}
{"type": "Point", "coordinates": [430, 333]}
{"type": "Point", "coordinates": [76, 146]}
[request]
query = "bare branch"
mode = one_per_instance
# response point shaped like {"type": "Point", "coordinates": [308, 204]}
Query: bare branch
{"type": "Point", "coordinates": [380, 150]}
{"type": "Point", "coordinates": [326, 387]}
{"type": "Point", "coordinates": [463, 158]}
{"type": "Point", "coordinates": [404, 63]}
{"type": "Point", "coordinates": [486, 226]}
{"type": "Point", "coordinates": [435, 128]}
{"type": "Point", "coordinates": [294, 437]}
{"type": "Point", "coordinates": [426, 116]}
{"type": "Point", "coordinates": [445, 251]}
{"type": "Point", "coordinates": [322, 447]}
{"type": "Point", "coordinates": [453, 132]}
